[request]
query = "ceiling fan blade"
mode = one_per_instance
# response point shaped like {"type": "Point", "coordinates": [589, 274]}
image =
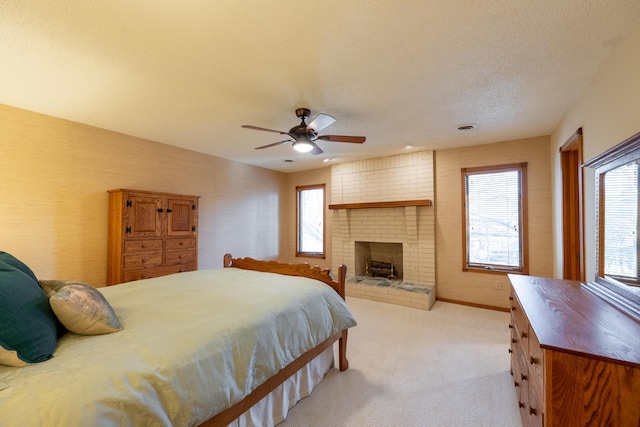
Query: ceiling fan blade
{"type": "Point", "coordinates": [321, 122]}
{"type": "Point", "coordinates": [272, 145]}
{"type": "Point", "coordinates": [264, 129]}
{"type": "Point", "coordinates": [343, 138]}
{"type": "Point", "coordinates": [316, 150]}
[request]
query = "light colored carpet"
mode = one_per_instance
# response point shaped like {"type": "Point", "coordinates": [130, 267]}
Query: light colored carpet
{"type": "Point", "coordinates": [445, 367]}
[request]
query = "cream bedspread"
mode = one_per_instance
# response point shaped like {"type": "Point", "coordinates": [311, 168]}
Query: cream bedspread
{"type": "Point", "coordinates": [193, 344]}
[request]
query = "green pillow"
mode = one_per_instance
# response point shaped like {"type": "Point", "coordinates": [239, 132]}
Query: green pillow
{"type": "Point", "coordinates": [15, 262]}
{"type": "Point", "coordinates": [28, 326]}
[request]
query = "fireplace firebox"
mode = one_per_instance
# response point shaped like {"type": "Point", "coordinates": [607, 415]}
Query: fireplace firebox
{"type": "Point", "coordinates": [378, 259]}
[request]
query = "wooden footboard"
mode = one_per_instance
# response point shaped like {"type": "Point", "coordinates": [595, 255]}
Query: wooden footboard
{"type": "Point", "coordinates": [226, 417]}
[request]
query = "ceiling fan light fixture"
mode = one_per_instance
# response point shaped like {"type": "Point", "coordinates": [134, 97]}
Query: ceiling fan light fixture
{"type": "Point", "coordinates": [302, 146]}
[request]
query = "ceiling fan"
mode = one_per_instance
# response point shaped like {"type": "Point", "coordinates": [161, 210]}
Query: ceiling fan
{"type": "Point", "coordinates": [304, 135]}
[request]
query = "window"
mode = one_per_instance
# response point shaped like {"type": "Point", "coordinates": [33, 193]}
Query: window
{"type": "Point", "coordinates": [621, 223]}
{"type": "Point", "coordinates": [310, 230]}
{"type": "Point", "coordinates": [495, 219]}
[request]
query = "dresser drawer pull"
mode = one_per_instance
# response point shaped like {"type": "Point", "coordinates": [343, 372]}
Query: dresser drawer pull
{"type": "Point", "coordinates": [521, 405]}
{"type": "Point", "coordinates": [523, 335]}
{"type": "Point", "coordinates": [510, 351]}
{"type": "Point", "coordinates": [524, 377]}
{"type": "Point", "coordinates": [516, 384]}
{"type": "Point", "coordinates": [532, 411]}
{"type": "Point", "coordinates": [510, 326]}
{"type": "Point", "coordinates": [510, 298]}
{"type": "Point", "coordinates": [533, 360]}
{"type": "Point", "coordinates": [513, 340]}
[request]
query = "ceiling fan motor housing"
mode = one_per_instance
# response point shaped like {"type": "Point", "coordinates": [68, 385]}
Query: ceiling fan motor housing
{"type": "Point", "coordinates": [303, 113]}
{"type": "Point", "coordinates": [301, 131]}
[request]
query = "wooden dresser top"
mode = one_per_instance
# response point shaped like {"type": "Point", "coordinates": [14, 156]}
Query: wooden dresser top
{"type": "Point", "coordinates": [568, 318]}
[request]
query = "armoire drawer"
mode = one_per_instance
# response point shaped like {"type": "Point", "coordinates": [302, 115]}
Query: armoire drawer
{"type": "Point", "coordinates": [142, 260]}
{"type": "Point", "coordinates": [132, 246]}
{"type": "Point", "coordinates": [150, 273]}
{"type": "Point", "coordinates": [181, 244]}
{"type": "Point", "coordinates": [180, 257]}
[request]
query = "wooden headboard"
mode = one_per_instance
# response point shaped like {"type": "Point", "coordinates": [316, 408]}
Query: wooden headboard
{"type": "Point", "coordinates": [288, 269]}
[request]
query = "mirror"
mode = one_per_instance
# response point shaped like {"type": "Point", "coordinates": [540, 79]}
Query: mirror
{"type": "Point", "coordinates": [617, 252]}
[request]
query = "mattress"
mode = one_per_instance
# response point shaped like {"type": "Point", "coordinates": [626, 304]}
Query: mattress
{"type": "Point", "coordinates": [193, 344]}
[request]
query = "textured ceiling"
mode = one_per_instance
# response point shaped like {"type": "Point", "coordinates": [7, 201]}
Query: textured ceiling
{"type": "Point", "coordinates": [190, 73]}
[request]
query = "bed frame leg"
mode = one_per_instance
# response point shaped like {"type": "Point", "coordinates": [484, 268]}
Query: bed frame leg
{"type": "Point", "coordinates": [342, 351]}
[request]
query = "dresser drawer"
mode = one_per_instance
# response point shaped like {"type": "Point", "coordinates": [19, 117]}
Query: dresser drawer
{"type": "Point", "coordinates": [179, 257]}
{"type": "Point", "coordinates": [536, 366]}
{"type": "Point", "coordinates": [520, 319]}
{"type": "Point", "coordinates": [133, 246]}
{"type": "Point", "coordinates": [181, 244]}
{"type": "Point", "coordinates": [534, 411]}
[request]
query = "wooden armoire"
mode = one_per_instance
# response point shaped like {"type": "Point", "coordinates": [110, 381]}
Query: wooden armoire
{"type": "Point", "coordinates": [150, 234]}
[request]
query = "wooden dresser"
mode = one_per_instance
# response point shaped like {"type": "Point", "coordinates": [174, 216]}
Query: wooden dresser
{"type": "Point", "coordinates": [150, 234]}
{"type": "Point", "coordinates": [575, 359]}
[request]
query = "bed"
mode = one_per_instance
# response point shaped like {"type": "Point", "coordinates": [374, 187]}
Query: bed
{"type": "Point", "coordinates": [233, 346]}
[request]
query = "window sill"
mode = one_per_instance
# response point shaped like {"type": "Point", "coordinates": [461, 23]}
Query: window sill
{"type": "Point", "coordinates": [493, 270]}
{"type": "Point", "coordinates": [309, 255]}
{"type": "Point", "coordinates": [370, 205]}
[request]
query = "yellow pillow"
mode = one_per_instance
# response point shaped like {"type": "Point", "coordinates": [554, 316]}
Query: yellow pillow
{"type": "Point", "coordinates": [83, 310]}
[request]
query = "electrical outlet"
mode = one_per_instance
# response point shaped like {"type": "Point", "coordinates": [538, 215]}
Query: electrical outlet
{"type": "Point", "coordinates": [498, 285]}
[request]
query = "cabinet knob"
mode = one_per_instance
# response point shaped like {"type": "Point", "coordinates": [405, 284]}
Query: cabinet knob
{"type": "Point", "coordinates": [159, 210]}
{"type": "Point", "coordinates": [510, 326]}
{"type": "Point", "coordinates": [524, 377]}
{"type": "Point", "coordinates": [516, 384]}
{"type": "Point", "coordinates": [510, 351]}
{"type": "Point", "coordinates": [523, 335]}
{"type": "Point", "coordinates": [532, 411]}
{"type": "Point", "coordinates": [520, 405]}
{"type": "Point", "coordinates": [533, 360]}
{"type": "Point", "coordinates": [513, 340]}
{"type": "Point", "coordinates": [510, 298]}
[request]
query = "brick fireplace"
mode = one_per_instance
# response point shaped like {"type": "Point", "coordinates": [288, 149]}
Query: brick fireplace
{"type": "Point", "coordinates": [386, 200]}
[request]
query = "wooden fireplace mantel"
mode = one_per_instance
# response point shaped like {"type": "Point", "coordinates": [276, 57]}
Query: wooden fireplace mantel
{"type": "Point", "coordinates": [368, 205]}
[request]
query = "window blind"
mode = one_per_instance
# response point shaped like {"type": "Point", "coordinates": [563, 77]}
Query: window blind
{"type": "Point", "coordinates": [621, 222]}
{"type": "Point", "coordinates": [494, 220]}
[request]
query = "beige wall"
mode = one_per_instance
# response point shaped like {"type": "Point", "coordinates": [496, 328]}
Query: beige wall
{"type": "Point", "coordinates": [608, 112]}
{"type": "Point", "coordinates": [480, 288]}
{"type": "Point", "coordinates": [311, 177]}
{"type": "Point", "coordinates": [55, 175]}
